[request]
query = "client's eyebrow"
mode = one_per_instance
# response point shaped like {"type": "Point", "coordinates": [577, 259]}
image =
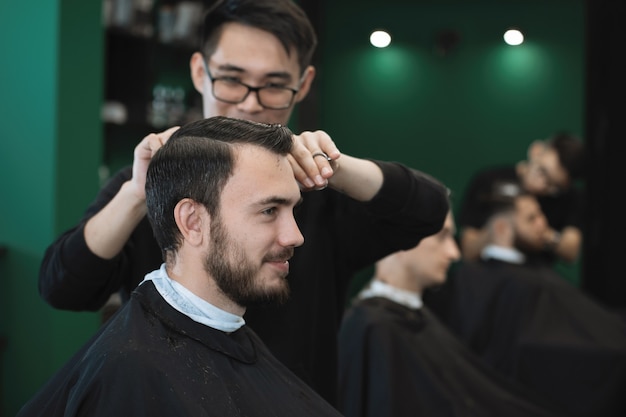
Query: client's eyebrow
{"type": "Point", "coordinates": [280, 201]}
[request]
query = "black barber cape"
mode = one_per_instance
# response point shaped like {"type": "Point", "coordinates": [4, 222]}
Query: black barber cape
{"type": "Point", "coordinates": [151, 360]}
{"type": "Point", "coordinates": [396, 361]}
{"type": "Point", "coordinates": [538, 329]}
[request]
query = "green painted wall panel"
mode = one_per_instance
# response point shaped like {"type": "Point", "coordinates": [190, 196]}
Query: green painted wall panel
{"type": "Point", "coordinates": [80, 132]}
{"type": "Point", "coordinates": [51, 81]}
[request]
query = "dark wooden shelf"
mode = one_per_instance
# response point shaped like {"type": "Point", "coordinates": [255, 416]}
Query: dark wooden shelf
{"type": "Point", "coordinates": [137, 61]}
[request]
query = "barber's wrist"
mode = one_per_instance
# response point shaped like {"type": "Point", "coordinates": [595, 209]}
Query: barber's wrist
{"type": "Point", "coordinates": [554, 241]}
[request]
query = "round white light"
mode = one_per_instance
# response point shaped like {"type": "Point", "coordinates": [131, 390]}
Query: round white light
{"type": "Point", "coordinates": [513, 37]}
{"type": "Point", "coordinates": [380, 39]}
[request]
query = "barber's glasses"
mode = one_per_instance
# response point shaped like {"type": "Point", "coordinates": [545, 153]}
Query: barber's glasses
{"type": "Point", "coordinates": [230, 90]}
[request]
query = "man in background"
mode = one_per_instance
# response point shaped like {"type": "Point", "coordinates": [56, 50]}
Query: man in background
{"type": "Point", "coordinates": [550, 173]}
{"type": "Point", "coordinates": [396, 358]}
{"type": "Point", "coordinates": [528, 323]}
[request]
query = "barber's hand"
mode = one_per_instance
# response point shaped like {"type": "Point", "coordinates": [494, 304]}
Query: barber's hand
{"type": "Point", "coordinates": [551, 239]}
{"type": "Point", "coordinates": [314, 159]}
{"type": "Point", "coordinates": [144, 152]}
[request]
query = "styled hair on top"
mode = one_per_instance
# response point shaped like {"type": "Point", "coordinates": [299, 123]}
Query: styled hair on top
{"type": "Point", "coordinates": [571, 152]}
{"type": "Point", "coordinates": [503, 197]}
{"type": "Point", "coordinates": [196, 162]}
{"type": "Point", "coordinates": [282, 18]}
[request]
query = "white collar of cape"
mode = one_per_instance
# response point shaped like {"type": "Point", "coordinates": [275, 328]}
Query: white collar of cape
{"type": "Point", "coordinates": [500, 253]}
{"type": "Point", "coordinates": [191, 305]}
{"type": "Point", "coordinates": [377, 288]}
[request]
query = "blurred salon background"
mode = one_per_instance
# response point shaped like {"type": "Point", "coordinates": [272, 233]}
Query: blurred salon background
{"type": "Point", "coordinates": [83, 82]}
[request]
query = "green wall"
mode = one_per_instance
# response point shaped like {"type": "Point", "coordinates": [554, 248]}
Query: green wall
{"type": "Point", "coordinates": [51, 82]}
{"type": "Point", "coordinates": [449, 115]}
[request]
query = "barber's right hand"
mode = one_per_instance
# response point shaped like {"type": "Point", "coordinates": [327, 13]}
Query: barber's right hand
{"type": "Point", "coordinates": [144, 152]}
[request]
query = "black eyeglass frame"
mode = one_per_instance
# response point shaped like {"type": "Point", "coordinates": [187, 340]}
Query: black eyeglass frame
{"type": "Point", "coordinates": [250, 89]}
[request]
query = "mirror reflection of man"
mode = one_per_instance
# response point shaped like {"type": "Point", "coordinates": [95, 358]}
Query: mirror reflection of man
{"type": "Point", "coordinates": [550, 173]}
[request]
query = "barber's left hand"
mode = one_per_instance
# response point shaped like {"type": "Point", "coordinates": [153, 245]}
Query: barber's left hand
{"type": "Point", "coordinates": [314, 159]}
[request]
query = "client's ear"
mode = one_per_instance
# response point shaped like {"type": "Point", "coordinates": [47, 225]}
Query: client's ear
{"type": "Point", "coordinates": [190, 218]}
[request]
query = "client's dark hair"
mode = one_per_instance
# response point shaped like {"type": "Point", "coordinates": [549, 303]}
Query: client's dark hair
{"type": "Point", "coordinates": [196, 162]}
